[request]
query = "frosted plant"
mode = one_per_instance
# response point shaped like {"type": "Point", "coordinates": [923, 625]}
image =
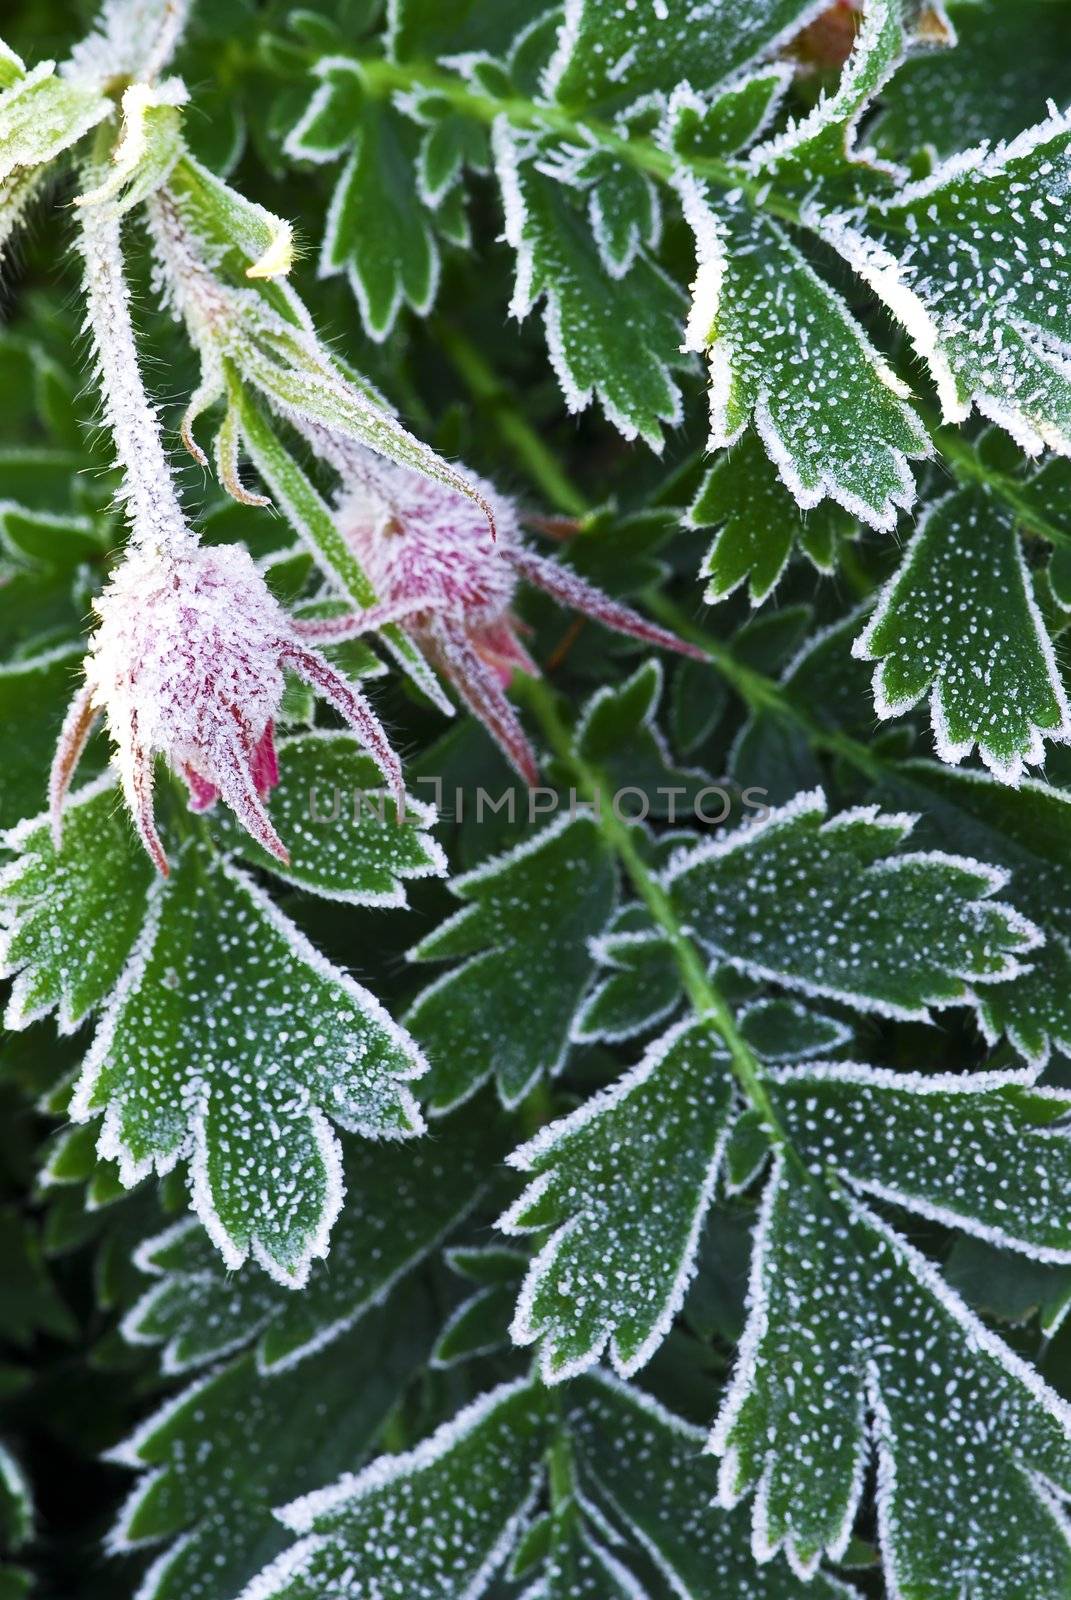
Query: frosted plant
{"type": "Point", "coordinates": [437, 571]}
{"type": "Point", "coordinates": [188, 663]}
{"type": "Point", "coordinates": [716, 1062]}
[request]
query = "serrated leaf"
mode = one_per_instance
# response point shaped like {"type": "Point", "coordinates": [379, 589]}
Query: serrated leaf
{"type": "Point", "coordinates": [1027, 832]}
{"type": "Point", "coordinates": [438, 1521]}
{"type": "Point", "coordinates": [614, 1273]}
{"type": "Point", "coordinates": [227, 1449]}
{"type": "Point", "coordinates": [397, 260]}
{"type": "Point", "coordinates": [344, 839]}
{"type": "Point", "coordinates": [72, 915]}
{"type": "Point", "coordinates": [607, 55]}
{"type": "Point", "coordinates": [981, 286]}
{"type": "Point", "coordinates": [960, 618]}
{"type": "Point", "coordinates": [642, 987]}
{"type": "Point", "coordinates": [611, 339]}
{"type": "Point", "coordinates": [228, 1038]}
{"type": "Point", "coordinates": [699, 128]}
{"type": "Point", "coordinates": [478, 1326]}
{"type": "Point", "coordinates": [647, 1466]}
{"type": "Point", "coordinates": [817, 158]}
{"type": "Point", "coordinates": [786, 353]}
{"type": "Point", "coordinates": [760, 524]}
{"type": "Point", "coordinates": [899, 933]}
{"type": "Point", "coordinates": [508, 1010]}
{"type": "Point", "coordinates": [848, 1320]}
{"type": "Point", "coordinates": [400, 1203]}
{"type": "Point", "coordinates": [623, 210]}
{"type": "Point", "coordinates": [784, 1030]}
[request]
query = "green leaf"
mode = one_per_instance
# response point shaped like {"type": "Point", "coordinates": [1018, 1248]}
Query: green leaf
{"type": "Point", "coordinates": [642, 986]}
{"type": "Point", "coordinates": [230, 1447]}
{"type": "Point", "coordinates": [816, 159]}
{"type": "Point", "coordinates": [899, 933]}
{"type": "Point", "coordinates": [786, 353]}
{"type": "Point", "coordinates": [623, 209]}
{"type": "Point", "coordinates": [508, 1010]}
{"type": "Point", "coordinates": [438, 1521]}
{"type": "Point", "coordinates": [1007, 63]}
{"type": "Point", "coordinates": [41, 115]}
{"type": "Point", "coordinates": [228, 1039]}
{"type": "Point", "coordinates": [960, 618]}
{"type": "Point", "coordinates": [620, 739]}
{"type": "Point", "coordinates": [614, 1273]}
{"type": "Point", "coordinates": [648, 1468]}
{"type": "Point", "coordinates": [344, 839]}
{"type": "Point", "coordinates": [397, 260]}
{"type": "Point", "coordinates": [604, 58]}
{"type": "Point", "coordinates": [760, 524]}
{"type": "Point", "coordinates": [34, 695]}
{"type": "Point", "coordinates": [698, 128]}
{"type": "Point", "coordinates": [73, 916]}
{"type": "Point", "coordinates": [611, 339]}
{"type": "Point", "coordinates": [399, 1204]}
{"type": "Point", "coordinates": [1027, 831]}
{"type": "Point", "coordinates": [980, 288]}
{"type": "Point", "coordinates": [848, 1321]}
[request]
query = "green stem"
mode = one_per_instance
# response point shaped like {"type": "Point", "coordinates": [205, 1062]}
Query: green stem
{"type": "Point", "coordinates": [493, 399]}
{"type": "Point", "coordinates": [698, 985]}
{"type": "Point", "coordinates": [382, 77]}
{"type": "Point", "coordinates": [968, 468]}
{"type": "Point", "coordinates": [764, 694]}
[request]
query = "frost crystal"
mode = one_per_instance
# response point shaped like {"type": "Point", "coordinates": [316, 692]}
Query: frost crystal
{"type": "Point", "coordinates": [430, 557]}
{"type": "Point", "coordinates": [188, 663]}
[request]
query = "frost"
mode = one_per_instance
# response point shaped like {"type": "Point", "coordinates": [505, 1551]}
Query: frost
{"type": "Point", "coordinates": [437, 1521]}
{"type": "Point", "coordinates": [400, 1203]}
{"type": "Point", "coordinates": [960, 615]}
{"type": "Point", "coordinates": [786, 354]}
{"type": "Point", "coordinates": [900, 934]}
{"type": "Point", "coordinates": [972, 261]}
{"type": "Point", "coordinates": [614, 339]}
{"type": "Point", "coordinates": [615, 1271]}
{"type": "Point", "coordinates": [227, 1040]}
{"type": "Point", "coordinates": [436, 572]}
{"type": "Point", "coordinates": [188, 662]}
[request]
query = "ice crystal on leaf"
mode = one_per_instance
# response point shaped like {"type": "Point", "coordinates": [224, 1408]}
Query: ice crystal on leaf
{"type": "Point", "coordinates": [971, 260]}
{"type": "Point", "coordinates": [960, 616]}
{"type": "Point", "coordinates": [227, 1040]}
{"type": "Point", "coordinates": [901, 933]}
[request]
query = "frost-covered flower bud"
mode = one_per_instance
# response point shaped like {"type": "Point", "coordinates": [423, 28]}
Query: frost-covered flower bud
{"type": "Point", "coordinates": [188, 663]}
{"type": "Point", "coordinates": [430, 557]}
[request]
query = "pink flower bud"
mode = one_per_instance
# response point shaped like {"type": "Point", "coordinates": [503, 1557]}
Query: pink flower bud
{"type": "Point", "coordinates": [188, 663]}
{"type": "Point", "coordinates": [429, 555]}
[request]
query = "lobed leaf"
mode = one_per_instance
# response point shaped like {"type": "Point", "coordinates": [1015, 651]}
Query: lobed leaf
{"type": "Point", "coordinates": [508, 1010]}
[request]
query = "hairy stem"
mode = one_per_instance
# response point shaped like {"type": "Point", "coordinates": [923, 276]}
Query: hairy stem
{"type": "Point", "coordinates": [152, 505]}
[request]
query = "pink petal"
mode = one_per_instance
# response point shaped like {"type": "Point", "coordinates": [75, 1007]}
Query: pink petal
{"type": "Point", "coordinates": [77, 726]}
{"type": "Point", "coordinates": [351, 705]}
{"type": "Point", "coordinates": [569, 589]}
{"type": "Point", "coordinates": [481, 691]}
